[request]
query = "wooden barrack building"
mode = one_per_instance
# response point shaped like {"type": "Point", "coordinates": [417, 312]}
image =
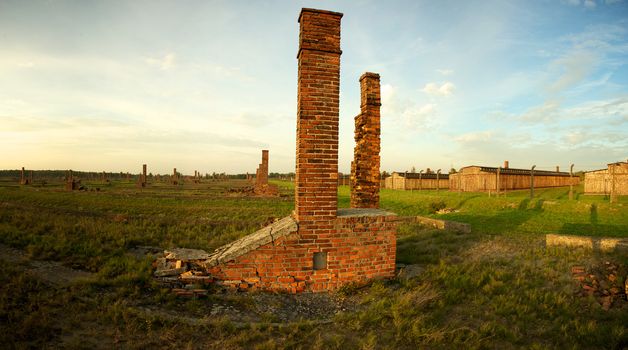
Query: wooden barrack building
{"type": "Point", "coordinates": [484, 179]}
{"type": "Point", "coordinates": [604, 181]}
{"type": "Point", "coordinates": [416, 181]}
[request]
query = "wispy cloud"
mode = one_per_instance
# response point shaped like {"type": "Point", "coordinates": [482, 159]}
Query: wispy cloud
{"type": "Point", "coordinates": [590, 4]}
{"type": "Point", "coordinates": [445, 71]}
{"type": "Point", "coordinates": [575, 67]}
{"type": "Point", "coordinates": [445, 89]}
{"type": "Point", "coordinates": [475, 136]}
{"type": "Point", "coordinates": [164, 63]}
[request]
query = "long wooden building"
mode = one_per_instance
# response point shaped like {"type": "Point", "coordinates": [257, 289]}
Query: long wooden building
{"type": "Point", "coordinates": [416, 181]}
{"type": "Point", "coordinates": [484, 179]}
{"type": "Point", "coordinates": [605, 181]}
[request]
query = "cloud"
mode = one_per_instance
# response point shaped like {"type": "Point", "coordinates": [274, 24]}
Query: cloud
{"type": "Point", "coordinates": [446, 89]}
{"type": "Point", "coordinates": [573, 2]}
{"type": "Point", "coordinates": [547, 112]}
{"type": "Point", "coordinates": [575, 67]}
{"type": "Point", "coordinates": [164, 63]}
{"type": "Point", "coordinates": [43, 124]}
{"type": "Point", "coordinates": [409, 115]}
{"type": "Point", "coordinates": [589, 3]}
{"type": "Point", "coordinates": [445, 71]}
{"type": "Point", "coordinates": [419, 116]}
{"type": "Point", "coordinates": [26, 64]}
{"type": "Point", "coordinates": [475, 136]}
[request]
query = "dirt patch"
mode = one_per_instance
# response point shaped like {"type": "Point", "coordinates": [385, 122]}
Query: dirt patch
{"type": "Point", "coordinates": [498, 248]}
{"type": "Point", "coordinates": [50, 272]}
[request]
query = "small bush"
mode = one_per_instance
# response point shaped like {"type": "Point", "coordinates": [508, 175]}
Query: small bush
{"type": "Point", "coordinates": [436, 206]}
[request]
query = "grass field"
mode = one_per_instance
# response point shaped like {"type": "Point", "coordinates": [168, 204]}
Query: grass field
{"type": "Point", "coordinates": [498, 287]}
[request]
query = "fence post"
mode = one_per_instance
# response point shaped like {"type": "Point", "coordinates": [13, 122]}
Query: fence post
{"type": "Point", "coordinates": [438, 180]}
{"type": "Point", "coordinates": [613, 198]}
{"type": "Point", "coordinates": [420, 180]}
{"type": "Point", "coordinates": [498, 182]}
{"type": "Point", "coordinates": [571, 182]}
{"type": "Point", "coordinates": [532, 181]}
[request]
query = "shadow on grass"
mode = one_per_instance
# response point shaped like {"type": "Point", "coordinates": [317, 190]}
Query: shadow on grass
{"type": "Point", "coordinates": [418, 244]}
{"type": "Point", "coordinates": [594, 228]}
{"type": "Point", "coordinates": [593, 214]}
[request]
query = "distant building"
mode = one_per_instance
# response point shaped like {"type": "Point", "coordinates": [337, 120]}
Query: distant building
{"type": "Point", "coordinates": [483, 179]}
{"type": "Point", "coordinates": [602, 181]}
{"type": "Point", "coordinates": [416, 181]}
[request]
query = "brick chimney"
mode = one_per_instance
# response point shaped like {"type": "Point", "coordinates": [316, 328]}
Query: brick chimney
{"type": "Point", "coordinates": [365, 166]}
{"type": "Point", "coordinates": [505, 164]}
{"type": "Point", "coordinates": [316, 181]}
{"type": "Point", "coordinates": [557, 169]}
{"type": "Point", "coordinates": [144, 173]}
{"type": "Point", "coordinates": [264, 167]}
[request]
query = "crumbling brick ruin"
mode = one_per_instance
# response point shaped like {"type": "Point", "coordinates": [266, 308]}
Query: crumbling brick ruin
{"type": "Point", "coordinates": [174, 179]}
{"type": "Point", "coordinates": [24, 180]}
{"type": "Point", "coordinates": [319, 247]}
{"type": "Point", "coordinates": [365, 166]}
{"type": "Point", "coordinates": [262, 187]}
{"type": "Point", "coordinates": [71, 183]}
{"type": "Point", "coordinates": [142, 182]}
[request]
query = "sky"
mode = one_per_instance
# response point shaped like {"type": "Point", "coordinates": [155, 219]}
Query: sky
{"type": "Point", "coordinates": [206, 85]}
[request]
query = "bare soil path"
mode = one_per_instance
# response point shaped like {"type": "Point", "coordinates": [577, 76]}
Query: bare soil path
{"type": "Point", "coordinates": [50, 272]}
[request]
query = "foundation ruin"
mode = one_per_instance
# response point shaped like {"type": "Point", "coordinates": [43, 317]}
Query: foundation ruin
{"type": "Point", "coordinates": [319, 247]}
{"type": "Point", "coordinates": [24, 180]}
{"type": "Point", "coordinates": [174, 179]}
{"type": "Point", "coordinates": [142, 182]}
{"type": "Point", "coordinates": [71, 183]}
{"type": "Point", "coordinates": [262, 187]}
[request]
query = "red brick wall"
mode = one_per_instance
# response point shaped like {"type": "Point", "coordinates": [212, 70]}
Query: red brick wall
{"type": "Point", "coordinates": [360, 249]}
{"type": "Point", "coordinates": [365, 166]}
{"type": "Point", "coordinates": [316, 180]}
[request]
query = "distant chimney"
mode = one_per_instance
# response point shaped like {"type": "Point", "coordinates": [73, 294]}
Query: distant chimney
{"type": "Point", "coordinates": [505, 164]}
{"type": "Point", "coordinates": [557, 169]}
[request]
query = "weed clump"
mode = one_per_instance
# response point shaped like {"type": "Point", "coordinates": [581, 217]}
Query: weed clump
{"type": "Point", "coordinates": [436, 206]}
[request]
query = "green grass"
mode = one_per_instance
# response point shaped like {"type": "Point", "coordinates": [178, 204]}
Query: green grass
{"type": "Point", "coordinates": [498, 287]}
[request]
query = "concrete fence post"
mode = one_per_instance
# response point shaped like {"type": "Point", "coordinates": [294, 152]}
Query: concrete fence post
{"type": "Point", "coordinates": [498, 184]}
{"type": "Point", "coordinates": [532, 181]}
{"type": "Point", "coordinates": [571, 182]}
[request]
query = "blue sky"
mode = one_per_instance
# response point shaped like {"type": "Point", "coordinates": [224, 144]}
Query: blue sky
{"type": "Point", "coordinates": [205, 85]}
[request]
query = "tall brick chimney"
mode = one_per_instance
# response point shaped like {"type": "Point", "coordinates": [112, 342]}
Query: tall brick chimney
{"type": "Point", "coordinates": [263, 169]}
{"type": "Point", "coordinates": [22, 176]}
{"type": "Point", "coordinates": [144, 173]}
{"type": "Point", "coordinates": [365, 166]}
{"type": "Point", "coordinates": [505, 164]}
{"type": "Point", "coordinates": [316, 181]}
